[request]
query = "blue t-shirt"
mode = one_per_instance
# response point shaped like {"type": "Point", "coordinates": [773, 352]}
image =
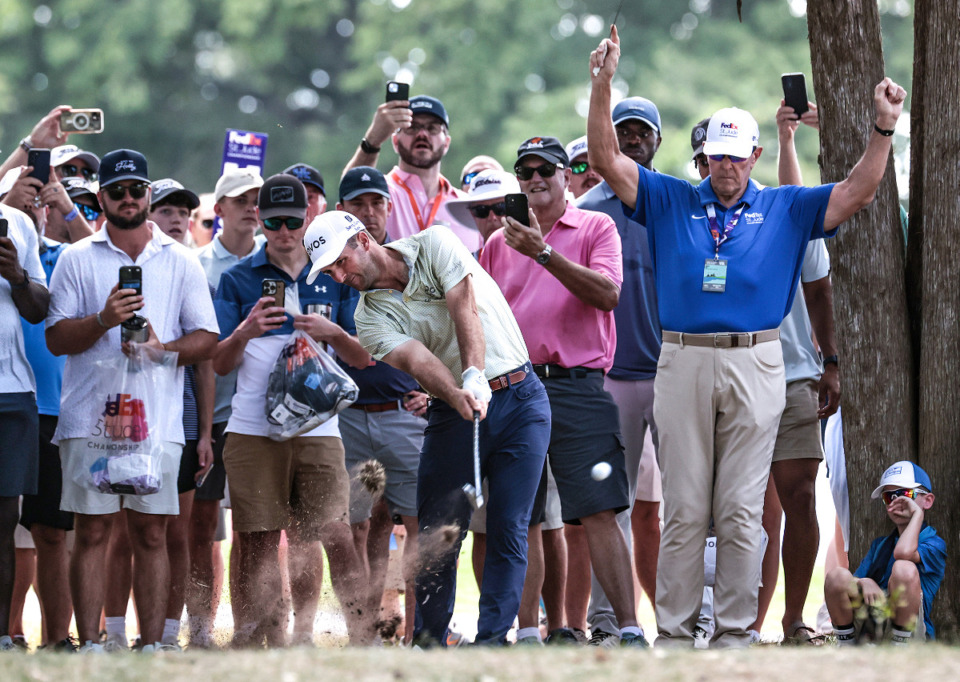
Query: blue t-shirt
{"type": "Point", "coordinates": [764, 252]}
{"type": "Point", "coordinates": [636, 316]}
{"type": "Point", "coordinates": [933, 562]}
{"type": "Point", "coordinates": [47, 367]}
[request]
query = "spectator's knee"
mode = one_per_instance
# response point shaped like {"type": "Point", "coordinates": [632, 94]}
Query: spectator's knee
{"type": "Point", "coordinates": [838, 582]}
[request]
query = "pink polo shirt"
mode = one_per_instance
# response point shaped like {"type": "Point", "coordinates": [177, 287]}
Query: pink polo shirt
{"type": "Point", "coordinates": [412, 209]}
{"type": "Point", "coordinates": [558, 327]}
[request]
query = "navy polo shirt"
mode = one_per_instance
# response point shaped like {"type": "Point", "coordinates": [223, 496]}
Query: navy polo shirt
{"type": "Point", "coordinates": [764, 252]}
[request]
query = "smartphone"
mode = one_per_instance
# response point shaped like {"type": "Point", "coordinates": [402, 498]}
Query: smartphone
{"type": "Point", "coordinates": [131, 277]}
{"type": "Point", "coordinates": [795, 92]}
{"type": "Point", "coordinates": [82, 121]}
{"type": "Point", "coordinates": [275, 288]}
{"type": "Point", "coordinates": [517, 208]}
{"type": "Point", "coordinates": [3, 227]}
{"type": "Point", "coordinates": [40, 160]}
{"type": "Point", "coordinates": [397, 91]}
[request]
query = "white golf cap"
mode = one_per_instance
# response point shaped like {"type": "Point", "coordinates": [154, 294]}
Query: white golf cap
{"type": "Point", "coordinates": [326, 238]}
{"type": "Point", "coordinates": [732, 132]}
{"type": "Point", "coordinates": [903, 474]}
{"type": "Point", "coordinates": [488, 184]}
{"type": "Point", "coordinates": [67, 152]}
{"type": "Point", "coordinates": [235, 182]}
{"type": "Point", "coordinates": [576, 148]}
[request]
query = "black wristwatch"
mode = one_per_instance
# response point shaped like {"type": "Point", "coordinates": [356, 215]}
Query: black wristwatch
{"type": "Point", "coordinates": [544, 256]}
{"type": "Point", "coordinates": [367, 147]}
{"type": "Point", "coordinates": [831, 360]}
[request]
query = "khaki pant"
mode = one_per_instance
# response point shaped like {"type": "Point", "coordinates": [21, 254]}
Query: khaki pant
{"type": "Point", "coordinates": [717, 412]}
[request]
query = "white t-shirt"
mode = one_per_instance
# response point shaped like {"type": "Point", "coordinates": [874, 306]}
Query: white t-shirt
{"type": "Point", "coordinates": [15, 373]}
{"type": "Point", "coordinates": [176, 302]}
{"type": "Point", "coordinates": [800, 359]}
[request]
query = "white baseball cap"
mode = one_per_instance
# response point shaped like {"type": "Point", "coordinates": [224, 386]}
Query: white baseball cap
{"type": "Point", "coordinates": [326, 238]}
{"type": "Point", "coordinates": [488, 184]}
{"type": "Point", "coordinates": [732, 132]}
{"type": "Point", "coordinates": [576, 148]}
{"type": "Point", "coordinates": [67, 152]}
{"type": "Point", "coordinates": [235, 182]}
{"type": "Point", "coordinates": [903, 474]}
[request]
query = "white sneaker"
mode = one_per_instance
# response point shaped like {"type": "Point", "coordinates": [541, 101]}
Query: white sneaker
{"type": "Point", "coordinates": [6, 643]}
{"type": "Point", "coordinates": [92, 648]}
{"type": "Point", "coordinates": [115, 644]}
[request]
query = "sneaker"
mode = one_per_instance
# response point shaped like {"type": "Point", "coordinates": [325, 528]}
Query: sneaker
{"type": "Point", "coordinates": [92, 648]}
{"type": "Point", "coordinates": [64, 646]}
{"type": "Point", "coordinates": [532, 640]}
{"type": "Point", "coordinates": [454, 639]}
{"type": "Point", "coordinates": [634, 639]}
{"type": "Point", "coordinates": [20, 642]}
{"type": "Point", "coordinates": [115, 643]}
{"type": "Point", "coordinates": [6, 644]}
{"type": "Point", "coordinates": [562, 636]}
{"type": "Point", "coordinates": [700, 638]}
{"type": "Point", "coordinates": [580, 635]}
{"type": "Point", "coordinates": [603, 639]}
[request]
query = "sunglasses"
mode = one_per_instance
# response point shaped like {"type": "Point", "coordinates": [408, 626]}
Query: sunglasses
{"type": "Point", "coordinates": [69, 170]}
{"type": "Point", "coordinates": [890, 495]}
{"type": "Point", "coordinates": [547, 170]}
{"type": "Point", "coordinates": [579, 167]}
{"type": "Point", "coordinates": [720, 157]}
{"type": "Point", "coordinates": [137, 191]}
{"type": "Point", "coordinates": [87, 212]}
{"type": "Point", "coordinates": [465, 180]}
{"type": "Point", "coordinates": [274, 224]}
{"type": "Point", "coordinates": [483, 210]}
{"type": "Point", "coordinates": [429, 128]}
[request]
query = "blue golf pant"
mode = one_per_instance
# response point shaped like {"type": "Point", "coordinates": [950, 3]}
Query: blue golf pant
{"type": "Point", "coordinates": [513, 446]}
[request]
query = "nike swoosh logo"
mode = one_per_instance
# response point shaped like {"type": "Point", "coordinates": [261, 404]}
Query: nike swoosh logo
{"type": "Point", "coordinates": [698, 217]}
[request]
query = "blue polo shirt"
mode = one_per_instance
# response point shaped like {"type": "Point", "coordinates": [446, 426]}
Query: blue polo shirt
{"type": "Point", "coordinates": [47, 367]}
{"type": "Point", "coordinates": [636, 316]}
{"type": "Point", "coordinates": [764, 252]}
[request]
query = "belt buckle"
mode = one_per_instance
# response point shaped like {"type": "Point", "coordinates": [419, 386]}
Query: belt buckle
{"type": "Point", "coordinates": [546, 371]}
{"type": "Point", "coordinates": [718, 340]}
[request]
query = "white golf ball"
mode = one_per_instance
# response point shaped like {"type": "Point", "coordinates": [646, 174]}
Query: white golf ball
{"type": "Point", "coordinates": [600, 471]}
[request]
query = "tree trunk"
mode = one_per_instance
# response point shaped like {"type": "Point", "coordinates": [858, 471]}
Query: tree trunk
{"type": "Point", "coordinates": [868, 264]}
{"type": "Point", "coordinates": [934, 212]}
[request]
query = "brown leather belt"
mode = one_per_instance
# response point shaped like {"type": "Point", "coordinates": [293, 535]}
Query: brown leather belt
{"type": "Point", "coordinates": [726, 340]}
{"type": "Point", "coordinates": [505, 380]}
{"type": "Point", "coordinates": [378, 407]}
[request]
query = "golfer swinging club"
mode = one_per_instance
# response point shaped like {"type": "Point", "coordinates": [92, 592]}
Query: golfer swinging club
{"type": "Point", "coordinates": [430, 310]}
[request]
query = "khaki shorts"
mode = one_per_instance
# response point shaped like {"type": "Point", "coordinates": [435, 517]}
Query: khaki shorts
{"type": "Point", "coordinates": [301, 480]}
{"type": "Point", "coordinates": [799, 434]}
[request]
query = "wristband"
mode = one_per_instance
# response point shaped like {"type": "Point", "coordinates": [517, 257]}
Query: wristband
{"type": "Point", "coordinates": [831, 360]}
{"type": "Point", "coordinates": [101, 322]}
{"type": "Point", "coordinates": [71, 215]}
{"type": "Point", "coordinates": [367, 147]}
{"type": "Point", "coordinates": [885, 133]}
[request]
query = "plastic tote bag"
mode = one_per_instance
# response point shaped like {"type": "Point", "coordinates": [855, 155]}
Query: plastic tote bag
{"type": "Point", "coordinates": [305, 388]}
{"type": "Point", "coordinates": [124, 452]}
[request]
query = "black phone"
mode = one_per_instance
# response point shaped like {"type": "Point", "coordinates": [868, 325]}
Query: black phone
{"type": "Point", "coordinates": [517, 208]}
{"type": "Point", "coordinates": [3, 227]}
{"type": "Point", "coordinates": [40, 160]}
{"type": "Point", "coordinates": [397, 91]}
{"type": "Point", "coordinates": [276, 289]}
{"type": "Point", "coordinates": [131, 277]}
{"type": "Point", "coordinates": [795, 92]}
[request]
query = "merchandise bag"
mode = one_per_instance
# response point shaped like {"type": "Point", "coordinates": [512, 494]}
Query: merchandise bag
{"type": "Point", "coordinates": [305, 388]}
{"type": "Point", "coordinates": [123, 454]}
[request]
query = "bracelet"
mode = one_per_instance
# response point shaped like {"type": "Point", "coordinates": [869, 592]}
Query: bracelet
{"type": "Point", "coordinates": [101, 322]}
{"type": "Point", "coordinates": [831, 360]}
{"type": "Point", "coordinates": [22, 284]}
{"type": "Point", "coordinates": [71, 215]}
{"type": "Point", "coordinates": [885, 133]}
{"type": "Point", "coordinates": [367, 147]}
{"type": "Point", "coordinates": [26, 144]}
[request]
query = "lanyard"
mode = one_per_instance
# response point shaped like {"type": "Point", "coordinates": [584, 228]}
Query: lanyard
{"type": "Point", "coordinates": [720, 237]}
{"type": "Point", "coordinates": [437, 200]}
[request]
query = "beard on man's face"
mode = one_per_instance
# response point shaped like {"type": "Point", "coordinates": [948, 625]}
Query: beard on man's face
{"type": "Point", "coordinates": [123, 223]}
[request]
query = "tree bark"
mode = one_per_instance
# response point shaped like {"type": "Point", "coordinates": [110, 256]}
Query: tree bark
{"type": "Point", "coordinates": [868, 264]}
{"type": "Point", "coordinates": [934, 212]}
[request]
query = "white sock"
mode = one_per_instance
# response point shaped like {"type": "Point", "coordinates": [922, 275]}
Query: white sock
{"type": "Point", "coordinates": [900, 636]}
{"type": "Point", "coordinates": [631, 630]}
{"type": "Point", "coordinates": [844, 636]}
{"type": "Point", "coordinates": [116, 627]}
{"type": "Point", "coordinates": [171, 631]}
{"type": "Point", "coordinates": [522, 633]}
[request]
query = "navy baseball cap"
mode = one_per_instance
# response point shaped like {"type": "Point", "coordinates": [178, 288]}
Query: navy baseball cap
{"type": "Point", "coordinates": [162, 189]}
{"type": "Point", "coordinates": [308, 175]}
{"type": "Point", "coordinates": [547, 148]}
{"type": "Point", "coordinates": [122, 164]}
{"type": "Point", "coordinates": [424, 104]}
{"type": "Point", "coordinates": [282, 195]}
{"type": "Point", "coordinates": [361, 180]}
{"type": "Point", "coordinates": [639, 109]}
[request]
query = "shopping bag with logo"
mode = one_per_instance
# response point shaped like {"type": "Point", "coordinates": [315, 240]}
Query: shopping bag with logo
{"type": "Point", "coordinates": [135, 397]}
{"type": "Point", "coordinates": [305, 388]}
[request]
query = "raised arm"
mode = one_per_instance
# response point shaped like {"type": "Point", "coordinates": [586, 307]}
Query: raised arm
{"type": "Point", "coordinates": [388, 118]}
{"type": "Point", "coordinates": [788, 169]}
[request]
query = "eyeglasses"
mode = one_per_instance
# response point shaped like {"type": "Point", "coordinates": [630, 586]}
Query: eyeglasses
{"type": "Point", "coordinates": [700, 161]}
{"type": "Point", "coordinates": [465, 180]}
{"type": "Point", "coordinates": [138, 190]}
{"type": "Point", "coordinates": [88, 212]}
{"type": "Point", "coordinates": [579, 167]}
{"type": "Point", "coordinates": [274, 224]}
{"type": "Point", "coordinates": [890, 495]}
{"type": "Point", "coordinates": [429, 128]}
{"type": "Point", "coordinates": [547, 170]}
{"type": "Point", "coordinates": [483, 210]}
{"type": "Point", "coordinates": [69, 170]}
{"type": "Point", "coordinates": [720, 157]}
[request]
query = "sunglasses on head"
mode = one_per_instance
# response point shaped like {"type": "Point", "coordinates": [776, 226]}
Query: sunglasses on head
{"type": "Point", "coordinates": [88, 212]}
{"type": "Point", "coordinates": [274, 224]}
{"type": "Point", "coordinates": [579, 167]}
{"type": "Point", "coordinates": [69, 170]}
{"type": "Point", "coordinates": [890, 495]}
{"type": "Point", "coordinates": [137, 190]}
{"type": "Point", "coordinates": [547, 170]}
{"type": "Point", "coordinates": [483, 210]}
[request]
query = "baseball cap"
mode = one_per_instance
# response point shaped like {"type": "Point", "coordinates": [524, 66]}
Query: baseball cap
{"type": "Point", "coordinates": [903, 474]}
{"type": "Point", "coordinates": [308, 175]}
{"type": "Point", "coordinates": [326, 238]}
{"type": "Point", "coordinates": [67, 152]}
{"type": "Point", "coordinates": [576, 148]}
{"type": "Point", "coordinates": [122, 164]}
{"type": "Point", "coordinates": [233, 183]}
{"type": "Point", "coordinates": [424, 104]}
{"type": "Point", "coordinates": [697, 137]}
{"type": "Point", "coordinates": [547, 148]}
{"type": "Point", "coordinates": [637, 108]}
{"type": "Point", "coordinates": [361, 180]}
{"type": "Point", "coordinates": [732, 132]}
{"type": "Point", "coordinates": [488, 184]}
{"type": "Point", "coordinates": [161, 189]}
{"type": "Point", "coordinates": [78, 187]}
{"type": "Point", "coordinates": [282, 195]}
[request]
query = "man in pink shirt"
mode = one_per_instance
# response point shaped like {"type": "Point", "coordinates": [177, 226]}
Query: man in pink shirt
{"type": "Point", "coordinates": [419, 129]}
{"type": "Point", "coordinates": [561, 276]}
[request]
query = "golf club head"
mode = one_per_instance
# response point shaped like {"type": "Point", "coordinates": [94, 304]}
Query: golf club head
{"type": "Point", "coordinates": [474, 496]}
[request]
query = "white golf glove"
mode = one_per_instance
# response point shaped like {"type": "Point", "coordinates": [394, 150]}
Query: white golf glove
{"type": "Point", "coordinates": [476, 383]}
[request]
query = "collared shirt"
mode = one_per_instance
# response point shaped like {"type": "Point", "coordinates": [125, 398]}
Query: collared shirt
{"type": "Point", "coordinates": [15, 373]}
{"type": "Point", "coordinates": [403, 222]}
{"type": "Point", "coordinates": [800, 359]}
{"type": "Point", "coordinates": [637, 317]}
{"type": "Point", "coordinates": [558, 327]}
{"type": "Point", "coordinates": [47, 367]}
{"type": "Point", "coordinates": [176, 302]}
{"type": "Point", "coordinates": [240, 289]}
{"type": "Point", "coordinates": [438, 261]}
{"type": "Point", "coordinates": [763, 254]}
